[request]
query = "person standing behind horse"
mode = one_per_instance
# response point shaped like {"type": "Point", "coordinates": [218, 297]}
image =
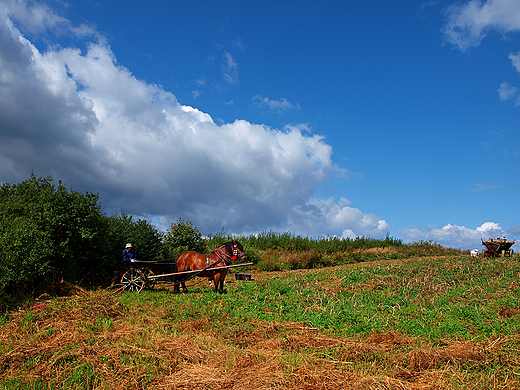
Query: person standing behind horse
{"type": "Point", "coordinates": [128, 255]}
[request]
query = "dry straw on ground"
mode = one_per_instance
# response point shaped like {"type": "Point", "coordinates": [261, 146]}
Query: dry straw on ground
{"type": "Point", "coordinates": [90, 340]}
{"type": "Point", "coordinates": [65, 345]}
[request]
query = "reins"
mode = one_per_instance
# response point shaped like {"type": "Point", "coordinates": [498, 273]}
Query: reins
{"type": "Point", "coordinates": [221, 257]}
{"type": "Point", "coordinates": [140, 278]}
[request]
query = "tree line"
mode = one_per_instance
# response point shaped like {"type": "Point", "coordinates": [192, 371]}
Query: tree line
{"type": "Point", "coordinates": [50, 233]}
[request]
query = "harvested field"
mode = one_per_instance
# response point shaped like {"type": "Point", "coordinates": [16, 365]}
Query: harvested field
{"type": "Point", "coordinates": [157, 340]}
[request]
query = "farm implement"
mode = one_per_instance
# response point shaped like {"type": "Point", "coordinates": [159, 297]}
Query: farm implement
{"type": "Point", "coordinates": [138, 278]}
{"type": "Point", "coordinates": [497, 247]}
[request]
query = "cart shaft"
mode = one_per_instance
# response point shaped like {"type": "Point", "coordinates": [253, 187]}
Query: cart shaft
{"type": "Point", "coordinates": [192, 272]}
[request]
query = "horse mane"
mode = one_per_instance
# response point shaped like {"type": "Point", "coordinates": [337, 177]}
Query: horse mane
{"type": "Point", "coordinates": [229, 246]}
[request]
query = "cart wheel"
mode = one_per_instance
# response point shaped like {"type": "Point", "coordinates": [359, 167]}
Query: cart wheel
{"type": "Point", "coordinates": [483, 253]}
{"type": "Point", "coordinates": [133, 280]}
{"type": "Point", "coordinates": [503, 253]}
{"type": "Point", "coordinates": [150, 282]}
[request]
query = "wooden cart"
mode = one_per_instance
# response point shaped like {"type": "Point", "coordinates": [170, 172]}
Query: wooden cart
{"type": "Point", "coordinates": [497, 247]}
{"type": "Point", "coordinates": [137, 278]}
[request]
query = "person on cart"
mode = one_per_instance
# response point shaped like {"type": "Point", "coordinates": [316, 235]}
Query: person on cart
{"type": "Point", "coordinates": [128, 257]}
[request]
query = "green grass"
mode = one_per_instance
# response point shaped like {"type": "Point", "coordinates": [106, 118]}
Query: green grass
{"type": "Point", "coordinates": [445, 322]}
{"type": "Point", "coordinates": [434, 298]}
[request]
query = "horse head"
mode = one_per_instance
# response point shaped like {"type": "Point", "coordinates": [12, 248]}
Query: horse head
{"type": "Point", "coordinates": [233, 251]}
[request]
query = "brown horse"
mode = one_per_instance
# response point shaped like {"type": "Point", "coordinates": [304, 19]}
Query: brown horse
{"type": "Point", "coordinates": [221, 256]}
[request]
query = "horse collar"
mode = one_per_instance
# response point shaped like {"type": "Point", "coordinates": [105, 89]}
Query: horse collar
{"type": "Point", "coordinates": [222, 256]}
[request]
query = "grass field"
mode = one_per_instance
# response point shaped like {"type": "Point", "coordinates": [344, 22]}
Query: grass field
{"type": "Point", "coordinates": [445, 322]}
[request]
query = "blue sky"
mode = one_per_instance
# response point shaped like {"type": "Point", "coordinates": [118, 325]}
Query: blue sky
{"type": "Point", "coordinates": [322, 118]}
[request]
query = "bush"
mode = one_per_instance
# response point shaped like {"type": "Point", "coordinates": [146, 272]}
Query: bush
{"type": "Point", "coordinates": [183, 237]}
{"type": "Point", "coordinates": [252, 256]}
{"type": "Point", "coordinates": [281, 259]}
{"type": "Point", "coordinates": [49, 233]}
{"type": "Point", "coordinates": [46, 231]}
{"type": "Point", "coordinates": [142, 234]}
{"type": "Point", "coordinates": [25, 252]}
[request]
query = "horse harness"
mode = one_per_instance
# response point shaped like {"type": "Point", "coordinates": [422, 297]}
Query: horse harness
{"type": "Point", "coordinates": [222, 256]}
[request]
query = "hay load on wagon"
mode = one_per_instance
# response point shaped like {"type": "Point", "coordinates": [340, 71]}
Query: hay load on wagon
{"type": "Point", "coordinates": [497, 247]}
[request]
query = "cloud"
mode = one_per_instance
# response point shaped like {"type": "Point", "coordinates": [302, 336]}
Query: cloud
{"type": "Point", "coordinates": [454, 236]}
{"type": "Point", "coordinates": [37, 18]}
{"type": "Point", "coordinates": [328, 216]}
{"type": "Point", "coordinates": [466, 25]}
{"type": "Point", "coordinates": [85, 119]}
{"type": "Point", "coordinates": [201, 82]}
{"type": "Point", "coordinates": [478, 187]}
{"type": "Point", "coordinates": [429, 4]}
{"type": "Point", "coordinates": [274, 105]}
{"type": "Point", "coordinates": [230, 68]}
{"type": "Point", "coordinates": [515, 59]}
{"type": "Point", "coordinates": [506, 91]}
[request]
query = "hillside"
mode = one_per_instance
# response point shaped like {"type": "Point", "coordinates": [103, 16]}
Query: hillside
{"type": "Point", "coordinates": [446, 322]}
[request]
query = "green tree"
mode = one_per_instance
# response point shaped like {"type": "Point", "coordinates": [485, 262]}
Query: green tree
{"type": "Point", "coordinates": [182, 237]}
{"type": "Point", "coordinates": [77, 230]}
{"type": "Point", "coordinates": [47, 232]}
{"type": "Point", "coordinates": [145, 238]}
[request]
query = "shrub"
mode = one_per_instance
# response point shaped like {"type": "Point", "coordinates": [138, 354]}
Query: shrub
{"type": "Point", "coordinates": [142, 234]}
{"type": "Point", "coordinates": [183, 237]}
{"type": "Point", "coordinates": [278, 260]}
{"type": "Point", "coordinates": [47, 231]}
{"type": "Point", "coordinates": [252, 255]}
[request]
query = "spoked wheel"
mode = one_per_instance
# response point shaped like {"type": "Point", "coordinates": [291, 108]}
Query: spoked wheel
{"type": "Point", "coordinates": [150, 282]}
{"type": "Point", "coordinates": [133, 280]}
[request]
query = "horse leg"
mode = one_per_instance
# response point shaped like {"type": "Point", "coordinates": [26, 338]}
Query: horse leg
{"type": "Point", "coordinates": [176, 281]}
{"type": "Point", "coordinates": [216, 279]}
{"type": "Point", "coordinates": [220, 283]}
{"type": "Point", "coordinates": [223, 280]}
{"type": "Point", "coordinates": [179, 281]}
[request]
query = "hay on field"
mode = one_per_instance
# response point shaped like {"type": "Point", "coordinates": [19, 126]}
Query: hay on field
{"type": "Point", "coordinates": [423, 359]}
{"type": "Point", "coordinates": [137, 347]}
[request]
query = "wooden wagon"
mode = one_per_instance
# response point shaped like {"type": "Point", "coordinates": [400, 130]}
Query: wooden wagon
{"type": "Point", "coordinates": [497, 247]}
{"type": "Point", "coordinates": [141, 275]}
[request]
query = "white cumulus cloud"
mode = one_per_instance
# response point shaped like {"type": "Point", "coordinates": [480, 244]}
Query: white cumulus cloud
{"type": "Point", "coordinates": [467, 23]}
{"type": "Point", "coordinates": [85, 119]}
{"type": "Point", "coordinates": [455, 236]}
